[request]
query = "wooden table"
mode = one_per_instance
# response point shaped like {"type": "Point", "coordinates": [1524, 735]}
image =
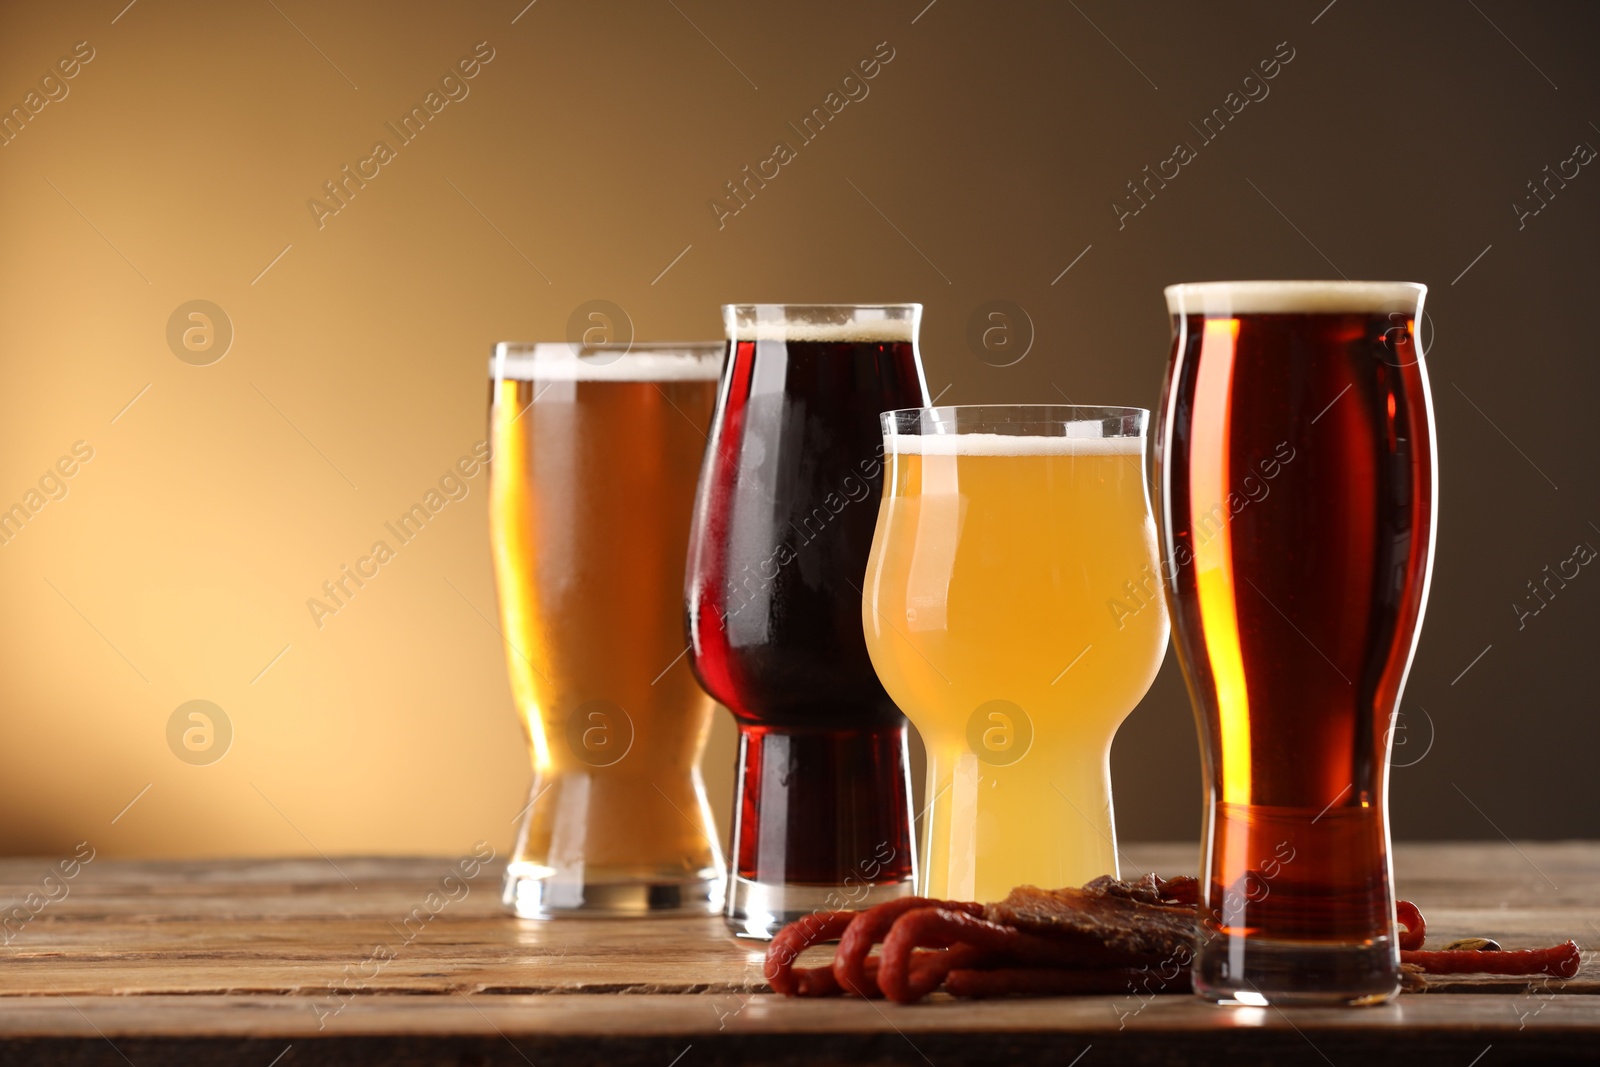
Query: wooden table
{"type": "Point", "coordinates": [293, 962]}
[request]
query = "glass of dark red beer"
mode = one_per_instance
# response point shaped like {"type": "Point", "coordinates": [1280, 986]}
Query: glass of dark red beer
{"type": "Point", "coordinates": [783, 523]}
{"type": "Point", "coordinates": [1296, 504]}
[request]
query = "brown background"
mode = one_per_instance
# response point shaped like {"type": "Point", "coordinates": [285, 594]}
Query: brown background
{"type": "Point", "coordinates": [984, 161]}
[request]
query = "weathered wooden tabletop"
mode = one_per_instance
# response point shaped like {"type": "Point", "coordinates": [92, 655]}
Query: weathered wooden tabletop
{"type": "Point", "coordinates": [262, 963]}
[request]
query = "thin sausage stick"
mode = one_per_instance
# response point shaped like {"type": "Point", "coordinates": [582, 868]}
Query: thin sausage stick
{"type": "Point", "coordinates": [850, 959]}
{"type": "Point", "coordinates": [939, 928]}
{"type": "Point", "coordinates": [1558, 961]}
{"type": "Point", "coordinates": [794, 939]}
{"type": "Point", "coordinates": [1407, 915]}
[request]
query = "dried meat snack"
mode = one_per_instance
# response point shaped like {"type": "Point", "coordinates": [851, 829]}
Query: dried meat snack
{"type": "Point", "coordinates": [1558, 961]}
{"type": "Point", "coordinates": [850, 958]}
{"type": "Point", "coordinates": [1416, 927]}
{"type": "Point", "coordinates": [1115, 922]}
{"type": "Point", "coordinates": [786, 946]}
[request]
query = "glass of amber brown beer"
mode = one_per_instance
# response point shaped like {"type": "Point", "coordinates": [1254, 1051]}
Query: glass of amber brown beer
{"type": "Point", "coordinates": [1013, 608]}
{"type": "Point", "coordinates": [595, 454]}
{"type": "Point", "coordinates": [782, 527]}
{"type": "Point", "coordinates": [1296, 497]}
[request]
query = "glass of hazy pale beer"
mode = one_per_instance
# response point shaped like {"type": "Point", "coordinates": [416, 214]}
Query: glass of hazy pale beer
{"type": "Point", "coordinates": [1012, 608]}
{"type": "Point", "coordinates": [782, 527]}
{"type": "Point", "coordinates": [595, 454]}
{"type": "Point", "coordinates": [1295, 473]}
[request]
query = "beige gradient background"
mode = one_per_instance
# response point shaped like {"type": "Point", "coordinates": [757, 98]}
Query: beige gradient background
{"type": "Point", "coordinates": [983, 163]}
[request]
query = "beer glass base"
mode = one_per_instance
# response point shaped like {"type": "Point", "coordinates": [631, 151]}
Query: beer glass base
{"type": "Point", "coordinates": [759, 910]}
{"type": "Point", "coordinates": [534, 892]}
{"type": "Point", "coordinates": [1257, 973]}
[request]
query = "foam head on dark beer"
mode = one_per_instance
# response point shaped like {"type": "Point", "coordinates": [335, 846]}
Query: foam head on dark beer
{"type": "Point", "coordinates": [884, 331]}
{"type": "Point", "coordinates": [792, 323]}
{"type": "Point", "coordinates": [1226, 299]}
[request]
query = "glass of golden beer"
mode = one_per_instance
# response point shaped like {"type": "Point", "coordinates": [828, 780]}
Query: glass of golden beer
{"type": "Point", "coordinates": [596, 450]}
{"type": "Point", "coordinates": [1013, 609]}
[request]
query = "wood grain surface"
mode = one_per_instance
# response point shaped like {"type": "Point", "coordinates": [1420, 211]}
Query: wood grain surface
{"type": "Point", "coordinates": [349, 960]}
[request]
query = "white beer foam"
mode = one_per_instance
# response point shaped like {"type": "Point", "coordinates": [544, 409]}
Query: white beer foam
{"type": "Point", "coordinates": [557, 362]}
{"type": "Point", "coordinates": [1005, 444]}
{"type": "Point", "coordinates": [868, 331]}
{"type": "Point", "coordinates": [1225, 299]}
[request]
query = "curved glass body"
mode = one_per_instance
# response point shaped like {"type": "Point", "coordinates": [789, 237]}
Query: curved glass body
{"type": "Point", "coordinates": [1296, 496]}
{"type": "Point", "coordinates": [1013, 609]}
{"type": "Point", "coordinates": [591, 484]}
{"type": "Point", "coordinates": [782, 527]}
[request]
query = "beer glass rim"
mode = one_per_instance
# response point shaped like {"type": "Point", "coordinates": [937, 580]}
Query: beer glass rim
{"type": "Point", "coordinates": [802, 307]}
{"type": "Point", "coordinates": [846, 323]}
{"type": "Point", "coordinates": [607, 361]}
{"type": "Point", "coordinates": [1019, 420]}
{"type": "Point", "coordinates": [1303, 296]}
